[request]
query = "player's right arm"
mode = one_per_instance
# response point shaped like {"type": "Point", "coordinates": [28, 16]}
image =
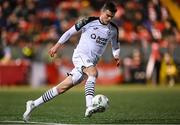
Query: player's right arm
{"type": "Point", "coordinates": [62, 40]}
{"type": "Point", "coordinates": [74, 29]}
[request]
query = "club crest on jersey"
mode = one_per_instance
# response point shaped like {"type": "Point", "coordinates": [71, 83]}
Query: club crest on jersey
{"type": "Point", "coordinates": [95, 28]}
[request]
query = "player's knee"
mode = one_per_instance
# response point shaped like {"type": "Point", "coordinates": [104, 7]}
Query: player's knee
{"type": "Point", "coordinates": [77, 76]}
{"type": "Point", "coordinates": [93, 73]}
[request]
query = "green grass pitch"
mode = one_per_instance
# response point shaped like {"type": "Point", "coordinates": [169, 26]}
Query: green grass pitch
{"type": "Point", "coordinates": [128, 104]}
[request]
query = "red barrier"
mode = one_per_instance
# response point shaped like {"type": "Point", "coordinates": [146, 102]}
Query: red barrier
{"type": "Point", "coordinates": [18, 74]}
{"type": "Point", "coordinates": [13, 74]}
{"type": "Point", "coordinates": [107, 73]}
{"type": "Point", "coordinates": [52, 73]}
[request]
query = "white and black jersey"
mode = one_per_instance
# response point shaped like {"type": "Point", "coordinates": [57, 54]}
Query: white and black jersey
{"type": "Point", "coordinates": [94, 37]}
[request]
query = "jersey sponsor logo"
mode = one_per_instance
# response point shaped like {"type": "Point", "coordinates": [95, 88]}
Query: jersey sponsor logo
{"type": "Point", "coordinates": [99, 39]}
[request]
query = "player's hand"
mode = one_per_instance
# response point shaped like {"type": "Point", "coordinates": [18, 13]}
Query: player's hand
{"type": "Point", "coordinates": [54, 49]}
{"type": "Point", "coordinates": [117, 62]}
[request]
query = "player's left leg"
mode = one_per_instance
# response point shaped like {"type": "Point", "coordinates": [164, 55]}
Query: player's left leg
{"type": "Point", "coordinates": [90, 90]}
{"type": "Point", "coordinates": [85, 65]}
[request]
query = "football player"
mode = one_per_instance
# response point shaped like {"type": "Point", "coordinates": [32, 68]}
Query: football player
{"type": "Point", "coordinates": [96, 33]}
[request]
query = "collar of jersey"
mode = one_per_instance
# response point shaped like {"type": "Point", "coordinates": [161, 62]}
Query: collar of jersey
{"type": "Point", "coordinates": [101, 22]}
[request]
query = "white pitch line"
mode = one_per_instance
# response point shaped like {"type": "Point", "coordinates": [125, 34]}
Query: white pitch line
{"type": "Point", "coordinates": [21, 122]}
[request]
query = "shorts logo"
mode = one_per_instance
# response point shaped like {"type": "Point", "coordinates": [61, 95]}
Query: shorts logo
{"type": "Point", "coordinates": [88, 61]}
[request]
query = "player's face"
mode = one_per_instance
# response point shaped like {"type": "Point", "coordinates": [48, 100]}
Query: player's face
{"type": "Point", "coordinates": [106, 16]}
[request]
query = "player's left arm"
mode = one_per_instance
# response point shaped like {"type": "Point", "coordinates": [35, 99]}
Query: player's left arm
{"type": "Point", "coordinates": [116, 52]}
{"type": "Point", "coordinates": [115, 47]}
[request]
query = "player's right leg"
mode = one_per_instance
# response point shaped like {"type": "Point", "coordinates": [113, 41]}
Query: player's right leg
{"type": "Point", "coordinates": [47, 96]}
{"type": "Point", "coordinates": [74, 77]}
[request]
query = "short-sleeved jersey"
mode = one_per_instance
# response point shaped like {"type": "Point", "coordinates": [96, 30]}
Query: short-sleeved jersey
{"type": "Point", "coordinates": [95, 36]}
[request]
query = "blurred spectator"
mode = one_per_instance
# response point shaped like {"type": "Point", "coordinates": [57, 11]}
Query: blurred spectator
{"type": "Point", "coordinates": [153, 65]}
{"type": "Point", "coordinates": [134, 70]}
{"type": "Point", "coordinates": [152, 15]}
{"type": "Point", "coordinates": [144, 37]}
{"type": "Point", "coordinates": [5, 54]}
{"type": "Point", "coordinates": [168, 29]}
{"type": "Point", "coordinates": [168, 71]}
{"type": "Point", "coordinates": [127, 33]}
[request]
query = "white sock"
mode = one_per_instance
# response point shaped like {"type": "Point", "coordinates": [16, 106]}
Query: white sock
{"type": "Point", "coordinates": [89, 100]}
{"type": "Point", "coordinates": [47, 96]}
{"type": "Point", "coordinates": [89, 90]}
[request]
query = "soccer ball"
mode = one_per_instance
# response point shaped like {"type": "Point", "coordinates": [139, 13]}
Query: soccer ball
{"type": "Point", "coordinates": [100, 101]}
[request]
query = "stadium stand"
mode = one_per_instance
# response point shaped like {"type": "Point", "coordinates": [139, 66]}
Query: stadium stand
{"type": "Point", "coordinates": [30, 27]}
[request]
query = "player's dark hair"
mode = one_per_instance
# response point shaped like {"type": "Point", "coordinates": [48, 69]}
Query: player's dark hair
{"type": "Point", "coordinates": [111, 6]}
